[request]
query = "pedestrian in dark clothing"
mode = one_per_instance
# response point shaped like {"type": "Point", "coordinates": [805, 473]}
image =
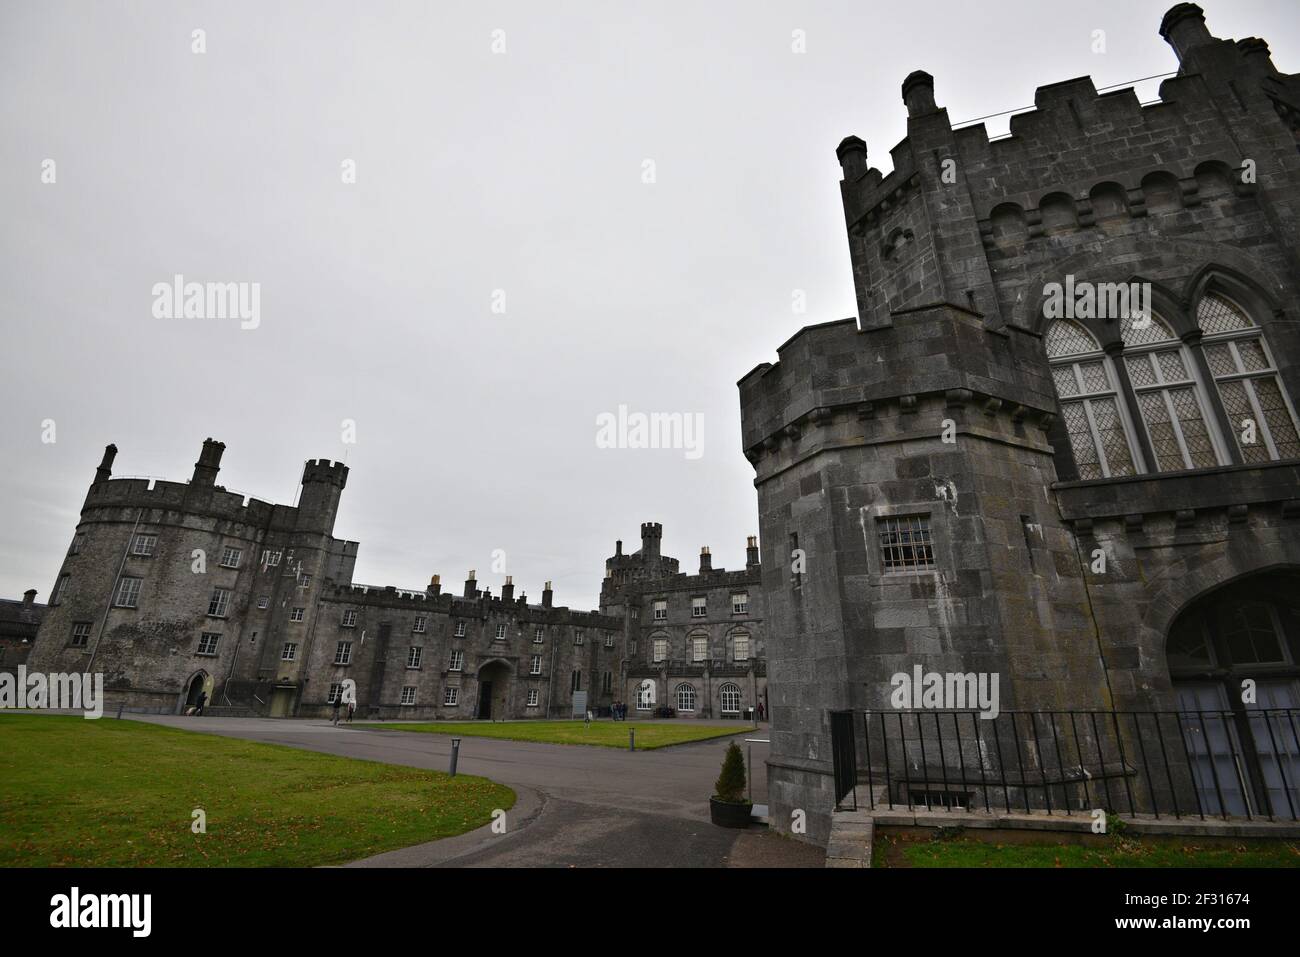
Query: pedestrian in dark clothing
{"type": "Point", "coordinates": [337, 702]}
{"type": "Point", "coordinates": [198, 707]}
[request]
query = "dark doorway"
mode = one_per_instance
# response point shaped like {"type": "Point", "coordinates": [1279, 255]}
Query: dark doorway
{"type": "Point", "coordinates": [1245, 757]}
{"type": "Point", "coordinates": [194, 689]}
{"type": "Point", "coordinates": [485, 699]}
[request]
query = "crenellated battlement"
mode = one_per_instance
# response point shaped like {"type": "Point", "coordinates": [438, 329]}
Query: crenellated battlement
{"type": "Point", "coordinates": [966, 220]}
{"type": "Point", "coordinates": [483, 606]}
{"type": "Point", "coordinates": [325, 471]}
{"type": "Point", "coordinates": [835, 378]}
{"type": "Point", "coordinates": [150, 494]}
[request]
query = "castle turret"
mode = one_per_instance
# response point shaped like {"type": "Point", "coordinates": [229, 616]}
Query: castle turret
{"type": "Point", "coordinates": [852, 154]}
{"type": "Point", "coordinates": [652, 534]}
{"type": "Point", "coordinates": [918, 93]}
{"type": "Point", "coordinates": [1184, 29]}
{"type": "Point", "coordinates": [323, 482]}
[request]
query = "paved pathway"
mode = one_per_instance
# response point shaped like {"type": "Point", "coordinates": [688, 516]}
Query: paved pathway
{"type": "Point", "coordinates": [578, 806]}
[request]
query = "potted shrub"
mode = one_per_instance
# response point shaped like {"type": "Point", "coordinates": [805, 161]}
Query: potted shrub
{"type": "Point", "coordinates": [729, 807]}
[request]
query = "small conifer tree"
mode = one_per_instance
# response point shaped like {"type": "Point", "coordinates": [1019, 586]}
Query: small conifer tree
{"type": "Point", "coordinates": [730, 786]}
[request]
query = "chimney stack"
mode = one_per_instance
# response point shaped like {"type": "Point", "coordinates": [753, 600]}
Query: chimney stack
{"type": "Point", "coordinates": [751, 551]}
{"type": "Point", "coordinates": [618, 548]}
{"type": "Point", "coordinates": [435, 585]}
{"type": "Point", "coordinates": [547, 595]}
{"type": "Point", "coordinates": [471, 585]}
{"type": "Point", "coordinates": [209, 463]}
{"type": "Point", "coordinates": [105, 470]}
{"type": "Point", "coordinates": [706, 560]}
{"type": "Point", "coordinates": [508, 589]}
{"type": "Point", "coordinates": [29, 597]}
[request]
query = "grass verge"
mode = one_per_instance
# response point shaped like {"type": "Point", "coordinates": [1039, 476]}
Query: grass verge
{"type": "Point", "coordinates": [113, 793]}
{"type": "Point", "coordinates": [608, 734]}
{"type": "Point", "coordinates": [958, 849]}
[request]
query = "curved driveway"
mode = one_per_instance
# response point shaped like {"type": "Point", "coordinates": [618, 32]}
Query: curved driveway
{"type": "Point", "coordinates": [578, 806]}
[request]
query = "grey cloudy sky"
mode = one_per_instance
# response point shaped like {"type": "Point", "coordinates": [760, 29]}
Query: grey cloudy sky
{"type": "Point", "coordinates": [477, 171]}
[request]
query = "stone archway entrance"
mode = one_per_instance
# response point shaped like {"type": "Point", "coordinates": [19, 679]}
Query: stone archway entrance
{"type": "Point", "coordinates": [1234, 660]}
{"type": "Point", "coordinates": [193, 688]}
{"type": "Point", "coordinates": [493, 691]}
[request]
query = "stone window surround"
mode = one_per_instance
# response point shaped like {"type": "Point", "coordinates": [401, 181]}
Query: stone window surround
{"type": "Point", "coordinates": [940, 540]}
{"type": "Point", "coordinates": [1181, 316]}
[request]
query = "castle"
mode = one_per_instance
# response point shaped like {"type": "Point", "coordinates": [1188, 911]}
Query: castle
{"type": "Point", "coordinates": [1102, 509]}
{"type": "Point", "coordinates": [179, 589]}
{"type": "Point", "coordinates": [1094, 498]}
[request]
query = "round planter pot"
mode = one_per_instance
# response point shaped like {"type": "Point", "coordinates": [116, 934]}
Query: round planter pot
{"type": "Point", "coordinates": [726, 814]}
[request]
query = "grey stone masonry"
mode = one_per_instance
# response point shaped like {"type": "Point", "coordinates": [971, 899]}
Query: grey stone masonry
{"type": "Point", "coordinates": [934, 417]}
{"type": "Point", "coordinates": [174, 588]}
{"type": "Point", "coordinates": [697, 643]}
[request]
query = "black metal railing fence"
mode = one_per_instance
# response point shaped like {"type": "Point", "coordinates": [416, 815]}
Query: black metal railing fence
{"type": "Point", "coordinates": [1157, 763]}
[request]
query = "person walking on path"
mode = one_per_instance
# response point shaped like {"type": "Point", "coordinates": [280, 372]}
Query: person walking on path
{"type": "Point", "coordinates": [338, 699]}
{"type": "Point", "coordinates": [198, 706]}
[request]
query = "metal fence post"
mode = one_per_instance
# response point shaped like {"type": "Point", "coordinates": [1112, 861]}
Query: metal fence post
{"type": "Point", "coordinates": [455, 753]}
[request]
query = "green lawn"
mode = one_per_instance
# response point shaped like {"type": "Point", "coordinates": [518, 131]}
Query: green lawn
{"type": "Point", "coordinates": [608, 734]}
{"type": "Point", "coordinates": [111, 793]}
{"type": "Point", "coordinates": [1126, 851]}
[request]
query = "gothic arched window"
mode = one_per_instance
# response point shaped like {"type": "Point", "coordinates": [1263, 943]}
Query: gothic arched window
{"type": "Point", "coordinates": [1262, 419]}
{"type": "Point", "coordinates": [685, 698]}
{"type": "Point", "coordinates": [1090, 407]}
{"type": "Point", "coordinates": [1169, 399]}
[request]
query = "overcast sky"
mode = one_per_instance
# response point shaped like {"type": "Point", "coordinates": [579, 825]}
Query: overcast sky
{"type": "Point", "coordinates": [516, 178]}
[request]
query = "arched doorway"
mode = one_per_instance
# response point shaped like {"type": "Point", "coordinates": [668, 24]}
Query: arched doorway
{"type": "Point", "coordinates": [193, 688]}
{"type": "Point", "coordinates": [1234, 660]}
{"type": "Point", "coordinates": [493, 691]}
{"type": "Point", "coordinates": [645, 695]}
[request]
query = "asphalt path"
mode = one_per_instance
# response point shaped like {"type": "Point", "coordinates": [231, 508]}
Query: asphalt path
{"type": "Point", "coordinates": [577, 806]}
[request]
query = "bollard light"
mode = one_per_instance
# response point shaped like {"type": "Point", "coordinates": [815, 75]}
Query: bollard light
{"type": "Point", "coordinates": [455, 753]}
{"type": "Point", "coordinates": [631, 739]}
